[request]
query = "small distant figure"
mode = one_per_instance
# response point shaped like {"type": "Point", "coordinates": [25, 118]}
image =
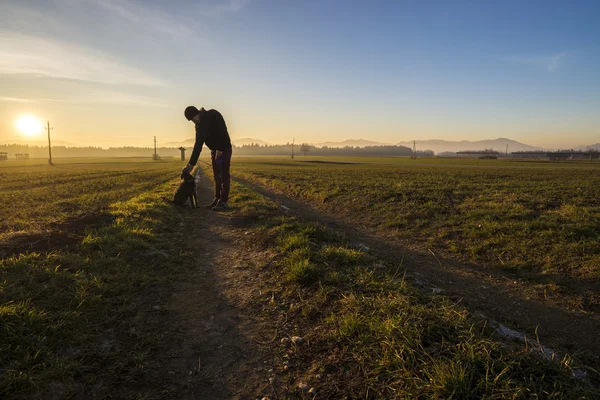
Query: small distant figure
{"type": "Point", "coordinates": [212, 131]}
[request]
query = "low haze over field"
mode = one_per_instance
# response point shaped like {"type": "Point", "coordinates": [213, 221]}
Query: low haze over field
{"type": "Point", "coordinates": [118, 72]}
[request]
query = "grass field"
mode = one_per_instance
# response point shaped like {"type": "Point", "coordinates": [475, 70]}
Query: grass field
{"type": "Point", "coordinates": [374, 336]}
{"type": "Point", "coordinates": [538, 218]}
{"type": "Point", "coordinates": [81, 244]}
{"type": "Point", "coordinates": [88, 245]}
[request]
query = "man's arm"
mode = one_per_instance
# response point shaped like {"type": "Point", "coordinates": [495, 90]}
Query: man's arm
{"type": "Point", "coordinates": [197, 147]}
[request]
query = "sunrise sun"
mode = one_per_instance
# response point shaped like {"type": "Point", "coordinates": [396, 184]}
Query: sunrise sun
{"type": "Point", "coordinates": [29, 125]}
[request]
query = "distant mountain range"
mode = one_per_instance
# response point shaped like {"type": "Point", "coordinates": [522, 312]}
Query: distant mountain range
{"type": "Point", "coordinates": [246, 141]}
{"type": "Point", "coordinates": [185, 143]}
{"type": "Point", "coordinates": [590, 147]}
{"type": "Point", "coordinates": [351, 142]}
{"type": "Point", "coordinates": [439, 146]}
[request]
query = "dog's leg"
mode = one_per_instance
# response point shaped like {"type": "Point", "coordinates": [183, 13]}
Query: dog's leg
{"type": "Point", "coordinates": [195, 199]}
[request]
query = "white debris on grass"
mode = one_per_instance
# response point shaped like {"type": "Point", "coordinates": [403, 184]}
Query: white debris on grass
{"type": "Point", "coordinates": [297, 339]}
{"type": "Point", "coordinates": [284, 208]}
{"type": "Point", "coordinates": [362, 247]}
{"type": "Point", "coordinates": [509, 333]}
{"type": "Point", "coordinates": [303, 386]}
{"type": "Point", "coordinates": [579, 374]}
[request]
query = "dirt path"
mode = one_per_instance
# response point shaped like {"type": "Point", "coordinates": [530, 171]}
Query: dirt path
{"type": "Point", "coordinates": [488, 293]}
{"type": "Point", "coordinates": [219, 357]}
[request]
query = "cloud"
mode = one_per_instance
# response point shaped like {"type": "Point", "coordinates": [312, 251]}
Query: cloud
{"type": "Point", "coordinates": [49, 58]}
{"type": "Point", "coordinates": [221, 7]}
{"type": "Point", "coordinates": [98, 97]}
{"type": "Point", "coordinates": [550, 63]}
{"type": "Point", "coordinates": [149, 17]}
{"type": "Point", "coordinates": [15, 100]}
{"type": "Point", "coordinates": [39, 56]}
{"type": "Point", "coordinates": [553, 62]}
{"type": "Point", "coordinates": [120, 98]}
{"type": "Point", "coordinates": [146, 17]}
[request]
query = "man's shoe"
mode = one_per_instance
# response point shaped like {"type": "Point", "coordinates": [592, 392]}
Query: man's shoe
{"type": "Point", "coordinates": [221, 205]}
{"type": "Point", "coordinates": [214, 203]}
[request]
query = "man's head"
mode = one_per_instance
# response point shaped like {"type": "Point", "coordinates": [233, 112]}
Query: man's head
{"type": "Point", "coordinates": [192, 113]}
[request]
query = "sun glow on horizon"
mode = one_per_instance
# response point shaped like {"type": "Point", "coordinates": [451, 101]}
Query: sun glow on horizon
{"type": "Point", "coordinates": [29, 125]}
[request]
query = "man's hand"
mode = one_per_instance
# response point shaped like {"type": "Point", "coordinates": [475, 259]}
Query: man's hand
{"type": "Point", "coordinates": [187, 169]}
{"type": "Point", "coordinates": [218, 153]}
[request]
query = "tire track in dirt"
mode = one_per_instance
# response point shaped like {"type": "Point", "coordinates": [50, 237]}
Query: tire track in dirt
{"type": "Point", "coordinates": [487, 293]}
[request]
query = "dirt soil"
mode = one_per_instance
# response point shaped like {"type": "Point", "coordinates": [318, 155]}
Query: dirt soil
{"type": "Point", "coordinates": [225, 352]}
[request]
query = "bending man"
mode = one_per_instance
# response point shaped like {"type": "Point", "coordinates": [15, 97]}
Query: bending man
{"type": "Point", "coordinates": [212, 131]}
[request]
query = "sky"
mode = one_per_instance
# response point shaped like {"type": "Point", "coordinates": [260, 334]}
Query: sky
{"type": "Point", "coordinates": [118, 72]}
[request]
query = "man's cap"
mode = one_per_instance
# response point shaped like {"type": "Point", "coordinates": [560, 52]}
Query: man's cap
{"type": "Point", "coordinates": [190, 112]}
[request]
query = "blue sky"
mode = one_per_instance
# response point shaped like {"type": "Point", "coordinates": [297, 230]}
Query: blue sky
{"type": "Point", "coordinates": [113, 72]}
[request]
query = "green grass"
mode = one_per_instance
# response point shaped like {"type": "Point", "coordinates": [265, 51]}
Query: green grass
{"type": "Point", "coordinates": [78, 318]}
{"type": "Point", "coordinates": [37, 198]}
{"type": "Point", "coordinates": [535, 217]}
{"type": "Point", "coordinates": [70, 316]}
{"type": "Point", "coordinates": [372, 335]}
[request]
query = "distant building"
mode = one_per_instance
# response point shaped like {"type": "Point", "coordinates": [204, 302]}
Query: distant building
{"type": "Point", "coordinates": [22, 156]}
{"type": "Point", "coordinates": [3, 156]}
{"type": "Point", "coordinates": [480, 154]}
{"type": "Point", "coordinates": [530, 154]}
{"type": "Point", "coordinates": [562, 155]}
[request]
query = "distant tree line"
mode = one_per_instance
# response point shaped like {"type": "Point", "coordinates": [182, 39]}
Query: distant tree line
{"type": "Point", "coordinates": [248, 149]}
{"type": "Point", "coordinates": [305, 149]}
{"type": "Point", "coordinates": [90, 151]}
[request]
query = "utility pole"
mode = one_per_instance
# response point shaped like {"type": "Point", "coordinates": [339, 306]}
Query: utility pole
{"type": "Point", "coordinates": [155, 155]}
{"type": "Point", "coordinates": [414, 154]}
{"type": "Point", "coordinates": [49, 145]}
{"type": "Point", "coordinates": [293, 140]}
{"type": "Point", "coordinates": [506, 151]}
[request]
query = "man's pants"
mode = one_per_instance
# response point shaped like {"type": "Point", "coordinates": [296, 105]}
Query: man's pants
{"type": "Point", "coordinates": [221, 174]}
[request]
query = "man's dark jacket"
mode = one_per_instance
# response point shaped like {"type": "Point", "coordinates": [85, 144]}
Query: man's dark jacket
{"type": "Point", "coordinates": [211, 131]}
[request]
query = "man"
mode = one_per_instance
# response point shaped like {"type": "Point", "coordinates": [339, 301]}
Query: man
{"type": "Point", "coordinates": [212, 131]}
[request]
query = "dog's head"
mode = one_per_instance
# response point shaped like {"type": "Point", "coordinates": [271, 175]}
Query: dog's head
{"type": "Point", "coordinates": [187, 176]}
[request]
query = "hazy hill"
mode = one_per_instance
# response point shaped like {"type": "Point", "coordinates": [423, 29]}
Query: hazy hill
{"type": "Point", "coordinates": [246, 141]}
{"type": "Point", "coordinates": [439, 146]}
{"type": "Point", "coordinates": [590, 147]}
{"type": "Point", "coordinates": [185, 143]}
{"type": "Point", "coordinates": [351, 142]}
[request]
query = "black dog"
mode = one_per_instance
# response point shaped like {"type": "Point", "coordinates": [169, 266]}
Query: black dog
{"type": "Point", "coordinates": [186, 190]}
